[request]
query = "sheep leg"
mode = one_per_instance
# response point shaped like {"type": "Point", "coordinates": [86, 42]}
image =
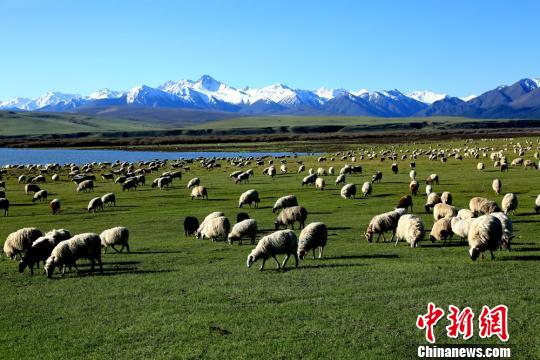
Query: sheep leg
{"type": "Point", "coordinates": [277, 262]}
{"type": "Point", "coordinates": [76, 269]}
{"type": "Point", "coordinates": [101, 266]}
{"type": "Point", "coordinates": [393, 234]}
{"type": "Point", "coordinates": [396, 242]}
{"type": "Point", "coordinates": [321, 249]}
{"type": "Point", "coordinates": [492, 256]}
{"type": "Point", "coordinates": [285, 261]}
{"type": "Point", "coordinates": [384, 237]}
{"type": "Point", "coordinates": [378, 237]}
{"type": "Point", "coordinates": [92, 267]}
{"type": "Point", "coordinates": [313, 253]}
{"type": "Point", "coordinates": [262, 265]}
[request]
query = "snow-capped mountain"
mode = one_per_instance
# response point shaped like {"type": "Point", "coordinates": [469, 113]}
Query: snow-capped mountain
{"type": "Point", "coordinates": [426, 96]}
{"type": "Point", "coordinates": [209, 94]}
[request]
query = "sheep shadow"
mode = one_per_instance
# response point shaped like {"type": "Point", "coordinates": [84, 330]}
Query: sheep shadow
{"type": "Point", "coordinates": [156, 252]}
{"type": "Point", "coordinates": [321, 213]}
{"type": "Point", "coordinates": [327, 266]}
{"type": "Point", "coordinates": [369, 257]}
{"type": "Point", "coordinates": [339, 228]}
{"type": "Point", "coordinates": [526, 249]}
{"type": "Point", "coordinates": [526, 214]}
{"type": "Point", "coordinates": [522, 258]}
{"type": "Point", "coordinates": [525, 221]}
{"type": "Point", "coordinates": [448, 244]}
{"type": "Point", "coordinates": [382, 195]}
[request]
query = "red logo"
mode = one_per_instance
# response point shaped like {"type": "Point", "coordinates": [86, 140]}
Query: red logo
{"type": "Point", "coordinates": [460, 322]}
{"type": "Point", "coordinates": [494, 322]}
{"type": "Point", "coordinates": [429, 320]}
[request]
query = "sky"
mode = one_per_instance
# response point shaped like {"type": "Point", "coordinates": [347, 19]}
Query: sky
{"type": "Point", "coordinates": [457, 47]}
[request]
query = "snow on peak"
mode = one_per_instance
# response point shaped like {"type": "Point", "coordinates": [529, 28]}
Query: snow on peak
{"type": "Point", "coordinates": [105, 94]}
{"type": "Point", "coordinates": [360, 92]}
{"type": "Point", "coordinates": [16, 103]}
{"type": "Point", "coordinates": [537, 81]}
{"type": "Point", "coordinates": [467, 98]}
{"type": "Point", "coordinates": [426, 96]}
{"type": "Point", "coordinates": [327, 94]}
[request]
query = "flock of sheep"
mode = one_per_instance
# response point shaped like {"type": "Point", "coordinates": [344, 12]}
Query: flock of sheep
{"type": "Point", "coordinates": [485, 225]}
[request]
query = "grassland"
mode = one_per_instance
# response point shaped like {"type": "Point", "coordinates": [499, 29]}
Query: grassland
{"type": "Point", "coordinates": [178, 297]}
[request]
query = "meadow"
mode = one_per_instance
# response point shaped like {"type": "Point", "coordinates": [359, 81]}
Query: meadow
{"type": "Point", "coordinates": [179, 297]}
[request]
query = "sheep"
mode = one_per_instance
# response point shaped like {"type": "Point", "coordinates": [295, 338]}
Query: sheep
{"type": "Point", "coordinates": [433, 178]}
{"type": "Point", "coordinates": [108, 199]}
{"type": "Point", "coordinates": [509, 203]}
{"type": "Point", "coordinates": [55, 177]}
{"type": "Point", "coordinates": [107, 176]}
{"type": "Point", "coordinates": [191, 224]}
{"type": "Point", "coordinates": [537, 204]}
{"type": "Point", "coordinates": [377, 177]}
{"type": "Point", "coordinates": [284, 202]}
{"type": "Point", "coordinates": [193, 182]}
{"type": "Point", "coordinates": [496, 185]}
{"type": "Point", "coordinates": [41, 249]}
{"type": "Point", "coordinates": [2, 193]}
{"type": "Point", "coordinates": [214, 228]}
{"type": "Point", "coordinates": [41, 195]}
{"type": "Point", "coordinates": [405, 202]}
{"type": "Point", "coordinates": [243, 228]}
{"type": "Point", "coordinates": [319, 183]}
{"type": "Point", "coordinates": [432, 200]}
{"type": "Point", "coordinates": [19, 241]}
{"type": "Point", "coordinates": [283, 169]}
{"type": "Point", "coordinates": [413, 187]}
{"type": "Point", "coordinates": [394, 168]}
{"type": "Point", "coordinates": [460, 226]}
{"type": "Point", "coordinates": [367, 189]}
{"type": "Point", "coordinates": [446, 198]}
{"type": "Point", "coordinates": [31, 188]}
{"type": "Point", "coordinates": [279, 242]}
{"type": "Point", "coordinates": [507, 228]}
{"type": "Point", "coordinates": [411, 229]}
{"type": "Point", "coordinates": [348, 191]}
{"type": "Point", "coordinates": [301, 168]}
{"type": "Point", "coordinates": [130, 184]}
{"type": "Point", "coordinates": [242, 177]}
{"type": "Point", "coordinates": [442, 210]}
{"type": "Point", "coordinates": [441, 230]}
{"type": "Point", "coordinates": [485, 233]}
{"type": "Point", "coordinates": [86, 185]}
{"type": "Point", "coordinates": [241, 217]}
{"type": "Point", "coordinates": [412, 175]}
{"type": "Point", "coordinates": [340, 179]}
{"type": "Point", "coordinates": [331, 170]}
{"type": "Point", "coordinates": [313, 236]}
{"type": "Point", "coordinates": [480, 205]}
{"type": "Point", "coordinates": [4, 205]}
{"type": "Point", "coordinates": [465, 214]}
{"type": "Point", "coordinates": [163, 182]}
{"type": "Point", "coordinates": [480, 166]}
{"type": "Point", "coordinates": [382, 223]}
{"type": "Point", "coordinates": [118, 235]}
{"type": "Point", "coordinates": [21, 179]}
{"type": "Point", "coordinates": [95, 204]}
{"type": "Point", "coordinates": [66, 253]}
{"type": "Point", "coordinates": [321, 172]}
{"type": "Point", "coordinates": [475, 204]}
{"type": "Point", "coordinates": [199, 191]}
{"type": "Point", "coordinates": [290, 215]}
{"type": "Point", "coordinates": [249, 197]}
{"type": "Point", "coordinates": [55, 206]}
{"type": "Point", "coordinates": [529, 164]}
{"type": "Point", "coordinates": [309, 180]}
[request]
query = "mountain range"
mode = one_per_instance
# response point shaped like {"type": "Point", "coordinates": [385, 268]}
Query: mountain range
{"type": "Point", "coordinates": [519, 100]}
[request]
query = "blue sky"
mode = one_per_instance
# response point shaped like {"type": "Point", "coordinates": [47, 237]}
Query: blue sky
{"type": "Point", "coordinates": [458, 47]}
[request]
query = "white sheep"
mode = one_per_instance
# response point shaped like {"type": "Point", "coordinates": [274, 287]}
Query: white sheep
{"type": "Point", "coordinates": [509, 203]}
{"type": "Point", "coordinates": [460, 226]}
{"type": "Point", "coordinates": [118, 235]}
{"type": "Point", "coordinates": [367, 188]}
{"type": "Point", "coordinates": [40, 196]}
{"type": "Point", "coordinates": [432, 200]}
{"type": "Point", "coordinates": [429, 189]}
{"type": "Point", "coordinates": [199, 192]}
{"type": "Point", "coordinates": [244, 228]}
{"type": "Point", "coordinates": [164, 182]}
{"type": "Point", "coordinates": [309, 180]}
{"type": "Point", "coordinates": [412, 175]}
{"type": "Point", "coordinates": [250, 197]}
{"type": "Point", "coordinates": [279, 242]}
{"type": "Point", "coordinates": [507, 228]}
{"type": "Point", "coordinates": [86, 185]}
{"type": "Point", "coordinates": [284, 202]}
{"type": "Point", "coordinates": [55, 206]}
{"type": "Point", "coordinates": [413, 187]}
{"type": "Point", "coordinates": [319, 183]}
{"type": "Point", "coordinates": [313, 236]}
{"type": "Point", "coordinates": [446, 198]}
{"type": "Point", "coordinates": [411, 229]}
{"type": "Point", "coordinates": [290, 215]}
{"type": "Point", "coordinates": [348, 191]}
{"type": "Point", "coordinates": [214, 228]}
{"type": "Point", "coordinates": [66, 253]}
{"type": "Point", "coordinates": [537, 204]}
{"type": "Point", "coordinates": [41, 249]}
{"type": "Point", "coordinates": [95, 204]}
{"type": "Point", "coordinates": [340, 179]}
{"type": "Point", "coordinates": [480, 166]}
{"type": "Point", "coordinates": [485, 233]}
{"type": "Point", "coordinates": [496, 185]}
{"type": "Point", "coordinates": [441, 230]}
{"type": "Point", "coordinates": [108, 199]}
{"type": "Point", "coordinates": [443, 211]}
{"type": "Point", "coordinates": [465, 214]}
{"type": "Point", "coordinates": [19, 241]}
{"type": "Point", "coordinates": [382, 223]}
{"type": "Point", "coordinates": [193, 182]}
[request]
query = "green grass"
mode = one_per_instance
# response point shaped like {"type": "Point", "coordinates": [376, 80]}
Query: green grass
{"type": "Point", "coordinates": [178, 297]}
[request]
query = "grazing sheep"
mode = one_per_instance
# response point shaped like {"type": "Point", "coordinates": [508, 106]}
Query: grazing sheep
{"type": "Point", "coordinates": [429, 189]}
{"type": "Point", "coordinates": [496, 186]}
{"type": "Point", "coordinates": [313, 236]}
{"type": "Point", "coordinates": [348, 191]}
{"type": "Point", "coordinates": [284, 202]}
{"type": "Point", "coordinates": [529, 164]}
{"type": "Point", "coordinates": [283, 169]}
{"type": "Point", "coordinates": [331, 170]}
{"type": "Point", "coordinates": [442, 210]}
{"type": "Point", "coordinates": [118, 235]}
{"type": "Point", "coordinates": [537, 204]}
{"type": "Point", "coordinates": [432, 200]}
{"type": "Point", "coordinates": [487, 207]}
{"type": "Point", "coordinates": [164, 182]}
{"type": "Point", "coordinates": [394, 168]}
{"type": "Point", "coordinates": [41, 195]}
{"type": "Point", "coordinates": [465, 214]}
{"type": "Point", "coordinates": [31, 188]}
{"type": "Point", "coordinates": [309, 180]}
{"type": "Point", "coordinates": [22, 179]}
{"type": "Point", "coordinates": [214, 228]}
{"type": "Point", "coordinates": [4, 205]}
{"type": "Point", "coordinates": [108, 199]}
{"type": "Point", "coordinates": [460, 226]}
{"type": "Point", "coordinates": [95, 204]}
{"type": "Point", "coordinates": [279, 242]}
{"type": "Point", "coordinates": [66, 253]}
{"type": "Point", "coordinates": [55, 177]}
{"type": "Point", "coordinates": [199, 192]}
{"type": "Point", "coordinates": [193, 182]}
{"type": "Point", "coordinates": [413, 187]}
{"type": "Point", "coordinates": [382, 223]}
{"type": "Point", "coordinates": [86, 185]}
{"type": "Point", "coordinates": [243, 228]}
{"type": "Point", "coordinates": [20, 240]}
{"type": "Point", "coordinates": [191, 224]}
{"type": "Point", "coordinates": [130, 184]}
{"type": "Point", "coordinates": [250, 197]}
{"type": "Point", "coordinates": [367, 189]}
{"type": "Point", "coordinates": [411, 229]}
{"type": "Point", "coordinates": [321, 172]}
{"type": "Point", "coordinates": [377, 178]}
{"type": "Point", "coordinates": [441, 230]}
{"type": "Point", "coordinates": [405, 202]}
{"type": "Point", "coordinates": [301, 168]}
{"type": "Point", "coordinates": [319, 183]}
{"type": "Point", "coordinates": [241, 217]}
{"type": "Point", "coordinates": [507, 227]}
{"type": "Point", "coordinates": [107, 176]}
{"type": "Point", "coordinates": [412, 175]}
{"type": "Point", "coordinates": [55, 206]}
{"type": "Point", "coordinates": [480, 166]}
{"type": "Point", "coordinates": [290, 215]}
{"type": "Point", "coordinates": [340, 179]}
{"type": "Point", "coordinates": [42, 248]}
{"type": "Point", "coordinates": [509, 203]}
{"type": "Point", "coordinates": [433, 178]}
{"type": "Point", "coordinates": [485, 233]}
{"type": "Point", "coordinates": [242, 177]}
{"type": "Point", "coordinates": [446, 198]}
{"type": "Point", "coordinates": [476, 203]}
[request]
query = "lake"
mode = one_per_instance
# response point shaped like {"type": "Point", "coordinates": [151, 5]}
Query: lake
{"type": "Point", "coordinates": [65, 156]}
